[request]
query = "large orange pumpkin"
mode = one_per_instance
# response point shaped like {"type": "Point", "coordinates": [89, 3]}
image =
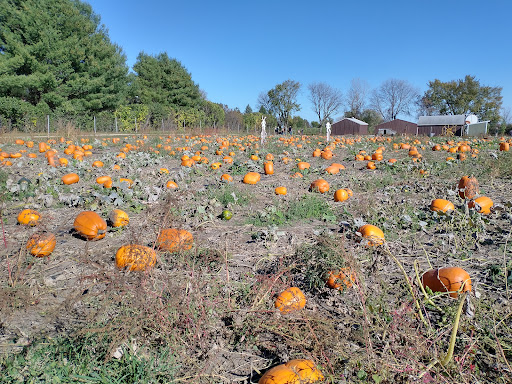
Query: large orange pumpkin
{"type": "Point", "coordinates": [135, 257]}
{"type": "Point", "coordinates": [90, 225]}
{"type": "Point", "coordinates": [174, 240]}
{"type": "Point", "coordinates": [297, 371]}
{"type": "Point", "coordinates": [449, 279]}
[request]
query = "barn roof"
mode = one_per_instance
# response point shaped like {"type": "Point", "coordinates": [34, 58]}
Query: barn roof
{"type": "Point", "coordinates": [353, 119]}
{"type": "Point", "coordinates": [442, 120]}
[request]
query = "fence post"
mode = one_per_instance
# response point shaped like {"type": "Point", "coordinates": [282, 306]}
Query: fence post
{"type": "Point", "coordinates": [94, 125]}
{"type": "Point", "coordinates": [135, 125]}
{"type": "Point", "coordinates": [48, 124]}
{"type": "Point", "coordinates": [116, 123]}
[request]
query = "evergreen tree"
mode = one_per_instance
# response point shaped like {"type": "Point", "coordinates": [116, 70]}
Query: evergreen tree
{"type": "Point", "coordinates": [55, 56]}
{"type": "Point", "coordinates": [164, 84]}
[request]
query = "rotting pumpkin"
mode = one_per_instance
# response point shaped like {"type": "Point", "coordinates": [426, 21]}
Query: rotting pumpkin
{"type": "Point", "coordinates": [135, 257]}
{"type": "Point", "coordinates": [174, 240]}
{"type": "Point", "coordinates": [41, 244]}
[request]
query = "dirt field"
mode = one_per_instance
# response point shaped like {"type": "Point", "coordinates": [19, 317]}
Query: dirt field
{"type": "Point", "coordinates": [207, 314]}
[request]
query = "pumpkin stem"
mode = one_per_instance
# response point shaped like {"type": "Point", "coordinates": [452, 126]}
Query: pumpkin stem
{"type": "Point", "coordinates": [386, 249]}
{"type": "Point", "coordinates": [427, 297]}
{"type": "Point", "coordinates": [453, 337]}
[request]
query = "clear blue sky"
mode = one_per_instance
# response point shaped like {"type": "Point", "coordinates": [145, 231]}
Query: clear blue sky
{"type": "Point", "coordinates": [237, 49]}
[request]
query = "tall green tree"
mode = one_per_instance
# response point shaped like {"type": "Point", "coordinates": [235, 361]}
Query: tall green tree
{"type": "Point", "coordinates": [163, 83]}
{"type": "Point", "coordinates": [55, 56]}
{"type": "Point", "coordinates": [463, 96]}
{"type": "Point", "coordinates": [281, 101]}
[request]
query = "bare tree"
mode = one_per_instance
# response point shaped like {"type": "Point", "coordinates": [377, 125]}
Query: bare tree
{"type": "Point", "coordinates": [326, 100]}
{"type": "Point", "coordinates": [356, 98]}
{"type": "Point", "coordinates": [394, 97]}
{"type": "Point", "coordinates": [263, 103]}
{"type": "Point", "coordinates": [506, 115]}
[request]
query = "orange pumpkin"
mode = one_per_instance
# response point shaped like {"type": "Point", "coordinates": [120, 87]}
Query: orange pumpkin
{"type": "Point", "coordinates": [135, 257]}
{"type": "Point", "coordinates": [28, 217]}
{"type": "Point", "coordinates": [302, 165]}
{"type": "Point", "coordinates": [373, 234]}
{"type": "Point", "coordinates": [482, 204]}
{"type": "Point", "coordinates": [449, 279]}
{"type": "Point", "coordinates": [171, 185]}
{"type": "Point", "coordinates": [441, 205]}
{"type": "Point", "coordinates": [251, 178]}
{"type": "Point", "coordinates": [281, 191]}
{"type": "Point", "coordinates": [90, 225]}
{"type": "Point", "coordinates": [290, 300]}
{"type": "Point", "coordinates": [269, 168]}
{"type": "Point", "coordinates": [297, 371]}
{"type": "Point", "coordinates": [41, 244]}
{"type": "Point", "coordinates": [174, 240]}
{"type": "Point", "coordinates": [341, 195]}
{"type": "Point", "coordinates": [226, 178]}
{"type": "Point", "coordinates": [319, 185]}
{"type": "Point", "coordinates": [70, 178]}
{"type": "Point", "coordinates": [118, 218]}
{"type": "Point", "coordinates": [97, 164]}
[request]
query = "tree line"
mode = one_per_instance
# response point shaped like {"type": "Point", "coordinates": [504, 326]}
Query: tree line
{"type": "Point", "coordinates": [56, 59]}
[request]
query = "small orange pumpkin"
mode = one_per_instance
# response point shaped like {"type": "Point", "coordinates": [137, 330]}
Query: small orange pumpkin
{"type": "Point", "coordinates": [290, 300]}
{"type": "Point", "coordinates": [90, 225]}
{"type": "Point", "coordinates": [281, 191]}
{"type": "Point", "coordinates": [319, 185]}
{"type": "Point", "coordinates": [28, 217]}
{"type": "Point", "coordinates": [341, 195]}
{"type": "Point", "coordinates": [373, 234]}
{"type": "Point", "coordinates": [118, 218]}
{"type": "Point", "coordinates": [269, 168]}
{"type": "Point", "coordinates": [441, 205]}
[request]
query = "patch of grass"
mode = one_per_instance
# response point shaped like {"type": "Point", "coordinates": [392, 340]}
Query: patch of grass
{"type": "Point", "coordinates": [309, 207]}
{"type": "Point", "coordinates": [228, 194]}
{"type": "Point", "coordinates": [85, 359]}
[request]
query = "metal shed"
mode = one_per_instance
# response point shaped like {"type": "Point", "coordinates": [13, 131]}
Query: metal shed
{"type": "Point", "coordinates": [397, 126]}
{"type": "Point", "coordinates": [349, 126]}
{"type": "Point", "coordinates": [440, 125]}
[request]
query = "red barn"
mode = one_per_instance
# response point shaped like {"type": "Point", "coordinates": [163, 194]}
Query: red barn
{"type": "Point", "coordinates": [349, 126]}
{"type": "Point", "coordinates": [397, 127]}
